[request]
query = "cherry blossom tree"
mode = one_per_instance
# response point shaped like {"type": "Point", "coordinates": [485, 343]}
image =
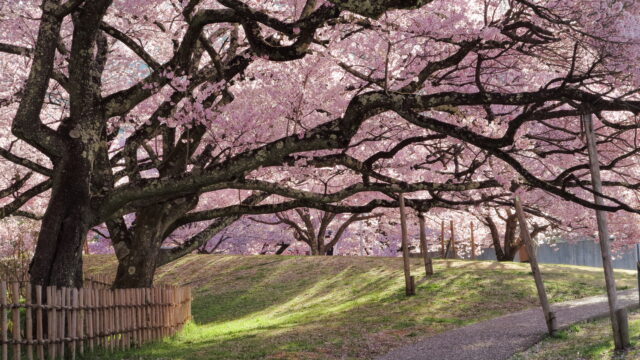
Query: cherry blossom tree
{"type": "Point", "coordinates": [148, 107]}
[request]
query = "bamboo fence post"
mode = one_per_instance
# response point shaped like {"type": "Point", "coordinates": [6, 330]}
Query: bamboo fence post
{"type": "Point", "coordinates": [112, 321]}
{"type": "Point", "coordinates": [74, 322]}
{"type": "Point", "coordinates": [81, 321]}
{"type": "Point", "coordinates": [166, 295]}
{"type": "Point", "coordinates": [428, 263]}
{"type": "Point", "coordinates": [190, 295]}
{"type": "Point", "coordinates": [124, 321]}
{"type": "Point", "coordinates": [39, 325]}
{"type": "Point", "coordinates": [147, 310]}
{"type": "Point", "coordinates": [151, 312]}
{"type": "Point", "coordinates": [142, 315]}
{"type": "Point", "coordinates": [102, 323]}
{"type": "Point", "coordinates": [51, 347]}
{"type": "Point", "coordinates": [405, 248]}
{"type": "Point", "coordinates": [63, 318]}
{"type": "Point", "coordinates": [603, 232]}
{"type": "Point", "coordinates": [443, 253]}
{"type": "Point", "coordinates": [549, 316]}
{"type": "Point", "coordinates": [122, 309]}
{"type": "Point", "coordinates": [29, 322]}
{"type": "Point", "coordinates": [473, 244]}
{"type": "Point", "coordinates": [15, 295]}
{"type": "Point", "coordinates": [98, 327]}
{"type": "Point", "coordinates": [175, 301]}
{"type": "Point", "coordinates": [91, 316]}
{"type": "Point", "coordinates": [117, 319]}
{"type": "Point", "coordinates": [3, 303]}
{"type": "Point", "coordinates": [454, 253]}
{"type": "Point", "coordinates": [158, 312]}
{"type": "Point", "coordinates": [134, 318]}
{"type": "Point", "coordinates": [139, 319]}
{"type": "Point", "coordinates": [88, 303]}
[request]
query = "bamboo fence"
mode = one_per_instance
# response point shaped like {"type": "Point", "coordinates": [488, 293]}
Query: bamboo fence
{"type": "Point", "coordinates": [58, 323]}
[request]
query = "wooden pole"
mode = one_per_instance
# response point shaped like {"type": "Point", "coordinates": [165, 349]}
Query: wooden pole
{"type": "Point", "coordinates": [638, 267]}
{"type": "Point", "coordinates": [473, 244]}
{"type": "Point", "coordinates": [428, 263]}
{"type": "Point", "coordinates": [405, 248]}
{"type": "Point", "coordinates": [39, 322]}
{"type": "Point", "coordinates": [443, 253]}
{"type": "Point", "coordinates": [549, 316]}
{"type": "Point", "coordinates": [62, 301]}
{"type": "Point", "coordinates": [51, 313]}
{"type": "Point", "coordinates": [603, 232]}
{"type": "Point", "coordinates": [81, 321]}
{"type": "Point", "coordinates": [90, 315]}
{"type": "Point", "coordinates": [454, 253]}
{"type": "Point", "coordinates": [29, 322]}
{"type": "Point", "coordinates": [73, 328]}
{"type": "Point", "coordinates": [15, 294]}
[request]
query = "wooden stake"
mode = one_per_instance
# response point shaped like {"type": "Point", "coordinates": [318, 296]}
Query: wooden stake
{"type": "Point", "coordinates": [81, 320]}
{"type": "Point", "coordinates": [51, 315]}
{"type": "Point", "coordinates": [549, 316]}
{"type": "Point", "coordinates": [39, 322]}
{"type": "Point", "coordinates": [73, 328]}
{"type": "Point", "coordinates": [405, 248]}
{"type": "Point", "coordinates": [29, 323]}
{"type": "Point", "coordinates": [473, 244]}
{"type": "Point", "coordinates": [454, 253]}
{"type": "Point", "coordinates": [443, 253]}
{"type": "Point", "coordinates": [63, 316]}
{"type": "Point", "coordinates": [90, 314]}
{"type": "Point", "coordinates": [603, 232]}
{"type": "Point", "coordinates": [15, 293]}
{"type": "Point", "coordinates": [428, 263]}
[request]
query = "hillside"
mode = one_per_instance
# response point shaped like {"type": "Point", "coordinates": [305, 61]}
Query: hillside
{"type": "Point", "coordinates": [288, 307]}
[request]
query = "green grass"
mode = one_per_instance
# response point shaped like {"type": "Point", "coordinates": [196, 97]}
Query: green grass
{"type": "Point", "coordinates": [287, 307]}
{"type": "Point", "coordinates": [588, 341]}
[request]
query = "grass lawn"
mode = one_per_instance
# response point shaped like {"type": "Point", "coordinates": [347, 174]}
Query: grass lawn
{"type": "Point", "coordinates": [589, 340]}
{"type": "Point", "coordinates": [288, 307]}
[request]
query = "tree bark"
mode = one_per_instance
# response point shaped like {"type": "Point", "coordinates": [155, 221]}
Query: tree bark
{"type": "Point", "coordinates": [58, 256]}
{"type": "Point", "coordinates": [138, 260]}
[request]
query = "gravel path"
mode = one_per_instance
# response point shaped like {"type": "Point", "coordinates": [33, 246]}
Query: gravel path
{"type": "Point", "coordinates": [500, 338]}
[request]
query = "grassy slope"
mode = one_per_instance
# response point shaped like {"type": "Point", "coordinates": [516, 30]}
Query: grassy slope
{"type": "Point", "coordinates": [286, 307]}
{"type": "Point", "coordinates": [588, 341]}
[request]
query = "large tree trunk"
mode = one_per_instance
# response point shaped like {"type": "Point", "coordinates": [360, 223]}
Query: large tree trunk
{"type": "Point", "coordinates": [58, 255]}
{"type": "Point", "coordinates": [138, 260]}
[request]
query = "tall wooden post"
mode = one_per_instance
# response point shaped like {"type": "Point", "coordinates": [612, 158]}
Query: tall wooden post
{"type": "Point", "coordinates": [405, 249]}
{"type": "Point", "coordinates": [428, 263]}
{"type": "Point", "coordinates": [443, 253]}
{"type": "Point", "coordinates": [473, 244]}
{"type": "Point", "coordinates": [638, 267]}
{"type": "Point", "coordinates": [549, 316]}
{"type": "Point", "coordinates": [603, 233]}
{"type": "Point", "coordinates": [454, 253]}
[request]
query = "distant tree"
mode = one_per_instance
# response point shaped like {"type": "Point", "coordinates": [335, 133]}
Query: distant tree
{"type": "Point", "coordinates": [321, 230]}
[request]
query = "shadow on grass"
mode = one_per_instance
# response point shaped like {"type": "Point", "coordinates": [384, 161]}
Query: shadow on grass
{"type": "Point", "coordinates": [328, 307]}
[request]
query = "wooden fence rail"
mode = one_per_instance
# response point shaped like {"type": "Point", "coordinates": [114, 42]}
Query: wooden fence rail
{"type": "Point", "coordinates": [63, 322]}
